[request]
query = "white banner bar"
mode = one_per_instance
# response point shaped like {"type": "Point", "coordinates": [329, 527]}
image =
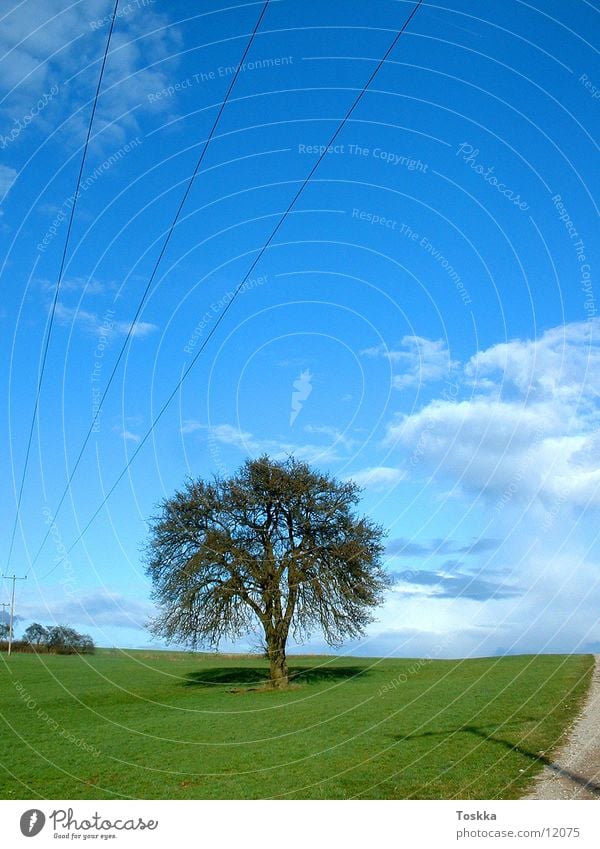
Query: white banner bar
{"type": "Point", "coordinates": [301, 825]}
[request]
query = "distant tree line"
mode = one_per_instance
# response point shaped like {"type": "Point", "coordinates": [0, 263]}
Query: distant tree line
{"type": "Point", "coordinates": [54, 639]}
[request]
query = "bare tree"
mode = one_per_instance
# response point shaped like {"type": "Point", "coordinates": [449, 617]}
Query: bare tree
{"type": "Point", "coordinates": [278, 544]}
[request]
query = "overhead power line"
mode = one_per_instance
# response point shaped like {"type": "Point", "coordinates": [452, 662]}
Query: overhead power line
{"type": "Point", "coordinates": [165, 244]}
{"type": "Point", "coordinates": [46, 344]}
{"type": "Point", "coordinates": [227, 307]}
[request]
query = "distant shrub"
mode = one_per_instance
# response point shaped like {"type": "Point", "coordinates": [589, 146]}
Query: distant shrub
{"type": "Point", "coordinates": [64, 640]}
{"type": "Point", "coordinates": [55, 639]}
{"type": "Point", "coordinates": [17, 645]}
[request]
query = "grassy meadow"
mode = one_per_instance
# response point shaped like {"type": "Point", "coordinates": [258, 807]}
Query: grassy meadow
{"type": "Point", "coordinates": [150, 724]}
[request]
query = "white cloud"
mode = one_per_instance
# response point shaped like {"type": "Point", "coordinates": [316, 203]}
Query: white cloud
{"type": "Point", "coordinates": [83, 285]}
{"type": "Point", "coordinates": [336, 435]}
{"type": "Point", "coordinates": [548, 602]}
{"type": "Point", "coordinates": [88, 608]}
{"type": "Point", "coordinates": [139, 330]}
{"type": "Point", "coordinates": [248, 443]}
{"type": "Point", "coordinates": [307, 452]}
{"type": "Point", "coordinates": [94, 324]}
{"type": "Point", "coordinates": [7, 179]}
{"type": "Point", "coordinates": [420, 360]}
{"type": "Point", "coordinates": [563, 364]}
{"type": "Point", "coordinates": [524, 434]}
{"type": "Point", "coordinates": [129, 436]}
{"type": "Point", "coordinates": [225, 434]}
{"type": "Point", "coordinates": [529, 431]}
{"type": "Point", "coordinates": [57, 46]}
{"type": "Point", "coordinates": [229, 435]}
{"type": "Point", "coordinates": [378, 477]}
{"type": "Point", "coordinates": [191, 426]}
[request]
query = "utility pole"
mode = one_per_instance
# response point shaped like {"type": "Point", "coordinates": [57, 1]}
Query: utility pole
{"type": "Point", "coordinates": [14, 579]}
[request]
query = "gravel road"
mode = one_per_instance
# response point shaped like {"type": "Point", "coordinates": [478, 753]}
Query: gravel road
{"type": "Point", "coordinates": [575, 772]}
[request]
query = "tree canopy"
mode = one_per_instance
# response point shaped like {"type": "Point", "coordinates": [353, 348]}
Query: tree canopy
{"type": "Point", "coordinates": [36, 634]}
{"type": "Point", "coordinates": [278, 545]}
{"type": "Point", "coordinates": [60, 639]}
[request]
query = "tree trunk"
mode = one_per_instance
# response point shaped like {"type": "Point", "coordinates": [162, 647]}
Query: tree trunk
{"type": "Point", "coordinates": [278, 663]}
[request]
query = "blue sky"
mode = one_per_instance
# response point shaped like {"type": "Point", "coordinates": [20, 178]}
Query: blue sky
{"type": "Point", "coordinates": [424, 322]}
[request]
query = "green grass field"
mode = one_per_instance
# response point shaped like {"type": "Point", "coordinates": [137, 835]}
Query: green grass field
{"type": "Point", "coordinates": [180, 726]}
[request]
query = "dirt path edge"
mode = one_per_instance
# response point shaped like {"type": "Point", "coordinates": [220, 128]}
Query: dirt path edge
{"type": "Point", "coordinates": [575, 770]}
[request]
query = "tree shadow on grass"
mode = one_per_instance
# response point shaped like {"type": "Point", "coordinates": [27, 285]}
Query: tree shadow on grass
{"type": "Point", "coordinates": [536, 757]}
{"type": "Point", "coordinates": [318, 674]}
{"type": "Point", "coordinates": [253, 677]}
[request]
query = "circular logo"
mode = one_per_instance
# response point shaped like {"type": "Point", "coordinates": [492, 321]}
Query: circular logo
{"type": "Point", "coordinates": [32, 822]}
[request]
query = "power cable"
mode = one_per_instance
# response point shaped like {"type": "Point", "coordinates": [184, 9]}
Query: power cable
{"type": "Point", "coordinates": [237, 290]}
{"type": "Point", "coordinates": [167, 239]}
{"type": "Point", "coordinates": [57, 290]}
